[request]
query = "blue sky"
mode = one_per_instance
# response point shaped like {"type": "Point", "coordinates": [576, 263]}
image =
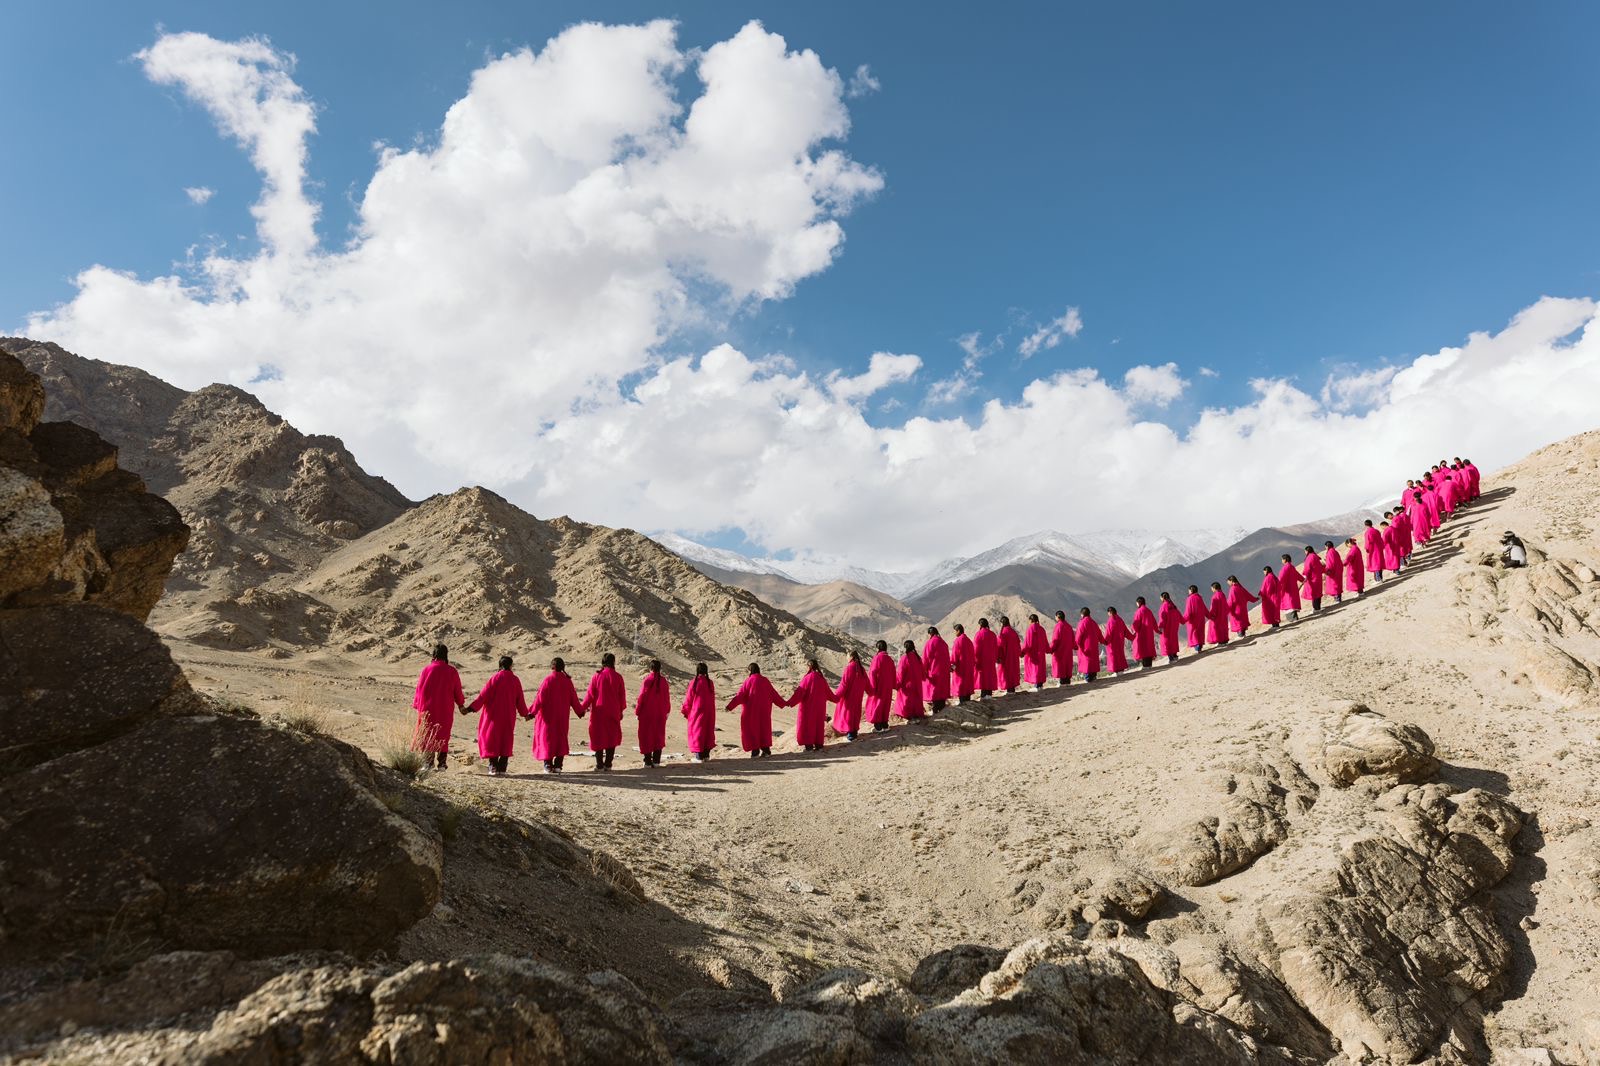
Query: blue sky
{"type": "Point", "coordinates": [1263, 190]}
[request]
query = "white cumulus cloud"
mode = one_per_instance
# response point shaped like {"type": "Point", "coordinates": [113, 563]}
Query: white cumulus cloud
{"type": "Point", "coordinates": [1155, 385]}
{"type": "Point", "coordinates": [1051, 333]}
{"type": "Point", "coordinates": [199, 194]}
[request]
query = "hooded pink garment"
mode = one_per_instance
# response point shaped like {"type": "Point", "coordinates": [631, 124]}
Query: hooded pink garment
{"type": "Point", "coordinates": [1313, 568]}
{"type": "Point", "coordinates": [1010, 658]}
{"type": "Point", "coordinates": [1417, 519]}
{"type": "Point", "coordinates": [851, 691]}
{"type": "Point", "coordinates": [964, 665]}
{"type": "Point", "coordinates": [1372, 549]}
{"type": "Point", "coordinates": [1239, 601]}
{"type": "Point", "coordinates": [1289, 582]}
{"type": "Point", "coordinates": [700, 707]}
{"type": "Point", "coordinates": [1144, 632]}
{"type": "Point", "coordinates": [1271, 596]}
{"type": "Point", "coordinates": [909, 683]}
{"type": "Point", "coordinates": [1333, 572]}
{"type": "Point", "coordinates": [1354, 579]}
{"type": "Point", "coordinates": [1088, 638]}
{"type": "Point", "coordinates": [607, 699]}
{"type": "Point", "coordinates": [987, 645]}
{"type": "Point", "coordinates": [1430, 507]}
{"type": "Point", "coordinates": [757, 696]}
{"type": "Point", "coordinates": [652, 707]}
{"type": "Point", "coordinates": [1391, 547]}
{"type": "Point", "coordinates": [1035, 646]}
{"type": "Point", "coordinates": [1474, 481]}
{"type": "Point", "coordinates": [437, 696]}
{"type": "Point", "coordinates": [1168, 618]}
{"type": "Point", "coordinates": [1063, 642]}
{"type": "Point", "coordinates": [1221, 613]}
{"type": "Point", "coordinates": [1447, 496]}
{"type": "Point", "coordinates": [1116, 634]}
{"type": "Point", "coordinates": [552, 710]}
{"type": "Point", "coordinates": [936, 668]}
{"type": "Point", "coordinates": [1195, 617]}
{"type": "Point", "coordinates": [499, 703]}
{"type": "Point", "coordinates": [811, 698]}
{"type": "Point", "coordinates": [880, 689]}
{"type": "Point", "coordinates": [1403, 533]}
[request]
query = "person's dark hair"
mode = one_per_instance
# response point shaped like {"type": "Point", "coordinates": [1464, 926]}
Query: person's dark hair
{"type": "Point", "coordinates": [1061, 615]}
{"type": "Point", "coordinates": [1196, 588]}
{"type": "Point", "coordinates": [1033, 618]}
{"type": "Point", "coordinates": [1111, 610]}
{"type": "Point", "coordinates": [608, 660]}
{"type": "Point", "coordinates": [883, 645]}
{"type": "Point", "coordinates": [1167, 596]}
{"type": "Point", "coordinates": [1139, 600]}
{"type": "Point", "coordinates": [755, 669]}
{"type": "Point", "coordinates": [1327, 544]}
{"type": "Point", "coordinates": [1218, 585]}
{"type": "Point", "coordinates": [961, 629]}
{"type": "Point", "coordinates": [1369, 521]}
{"type": "Point", "coordinates": [1266, 569]}
{"type": "Point", "coordinates": [1004, 620]}
{"type": "Point", "coordinates": [1234, 579]}
{"type": "Point", "coordinates": [558, 663]}
{"type": "Point", "coordinates": [814, 666]}
{"type": "Point", "coordinates": [933, 631]}
{"type": "Point", "coordinates": [1286, 558]}
{"type": "Point", "coordinates": [505, 662]}
{"type": "Point", "coordinates": [983, 623]}
{"type": "Point", "coordinates": [441, 654]}
{"type": "Point", "coordinates": [655, 666]}
{"type": "Point", "coordinates": [911, 649]}
{"type": "Point", "coordinates": [855, 656]}
{"type": "Point", "coordinates": [1310, 550]}
{"type": "Point", "coordinates": [1083, 611]}
{"type": "Point", "coordinates": [701, 671]}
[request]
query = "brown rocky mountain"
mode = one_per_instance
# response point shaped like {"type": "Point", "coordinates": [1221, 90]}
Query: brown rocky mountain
{"type": "Point", "coordinates": [842, 605]}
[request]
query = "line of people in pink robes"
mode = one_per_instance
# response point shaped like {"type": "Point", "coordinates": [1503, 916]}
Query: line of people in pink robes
{"type": "Point", "coordinates": [922, 682]}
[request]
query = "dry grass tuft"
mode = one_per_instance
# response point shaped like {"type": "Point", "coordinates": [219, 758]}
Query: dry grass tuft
{"type": "Point", "coordinates": [397, 744]}
{"type": "Point", "coordinates": [305, 713]}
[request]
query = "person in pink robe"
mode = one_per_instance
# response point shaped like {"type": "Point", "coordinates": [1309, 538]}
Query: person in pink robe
{"type": "Point", "coordinates": [1372, 550]}
{"type": "Point", "coordinates": [1354, 577]}
{"type": "Point", "coordinates": [963, 664]}
{"type": "Point", "coordinates": [987, 645]}
{"type": "Point", "coordinates": [1143, 625]}
{"type": "Point", "coordinates": [1195, 617]}
{"type": "Point", "coordinates": [1239, 601]}
{"type": "Point", "coordinates": [700, 708]}
{"type": "Point", "coordinates": [1116, 634]}
{"type": "Point", "coordinates": [810, 700]}
{"type": "Point", "coordinates": [606, 701]}
{"type": "Point", "coordinates": [653, 707]}
{"type": "Point", "coordinates": [880, 688]}
{"type": "Point", "coordinates": [498, 705]}
{"type": "Point", "coordinates": [1088, 638]}
{"type": "Point", "coordinates": [1333, 571]}
{"type": "Point", "coordinates": [908, 683]}
{"type": "Point", "coordinates": [1220, 614]}
{"type": "Point", "coordinates": [553, 706]}
{"type": "Point", "coordinates": [936, 670]}
{"type": "Point", "coordinates": [435, 700]}
{"type": "Point", "coordinates": [1010, 657]}
{"type": "Point", "coordinates": [851, 691]}
{"type": "Point", "coordinates": [1063, 645]}
{"type": "Point", "coordinates": [1168, 619]}
{"type": "Point", "coordinates": [1271, 597]}
{"type": "Point", "coordinates": [1312, 568]}
{"type": "Point", "coordinates": [1289, 582]}
{"type": "Point", "coordinates": [1417, 518]}
{"type": "Point", "coordinates": [1474, 479]}
{"type": "Point", "coordinates": [1447, 496]}
{"type": "Point", "coordinates": [1390, 547]}
{"type": "Point", "coordinates": [1035, 646]}
{"type": "Point", "coordinates": [754, 702]}
{"type": "Point", "coordinates": [1403, 535]}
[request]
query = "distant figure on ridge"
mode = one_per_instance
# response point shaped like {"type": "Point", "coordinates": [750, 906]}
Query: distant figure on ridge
{"type": "Point", "coordinates": [653, 707]}
{"type": "Point", "coordinates": [1239, 601]}
{"type": "Point", "coordinates": [1289, 582]}
{"type": "Point", "coordinates": [963, 664]}
{"type": "Point", "coordinates": [1271, 595]}
{"type": "Point", "coordinates": [1010, 657]}
{"type": "Point", "coordinates": [1144, 634]}
{"type": "Point", "coordinates": [437, 696]}
{"type": "Point", "coordinates": [880, 688]}
{"type": "Point", "coordinates": [754, 701]}
{"type": "Point", "coordinates": [1088, 638]}
{"type": "Point", "coordinates": [700, 708]}
{"type": "Point", "coordinates": [851, 691]}
{"type": "Point", "coordinates": [936, 668]}
{"type": "Point", "coordinates": [1116, 634]}
{"type": "Point", "coordinates": [1313, 569]}
{"type": "Point", "coordinates": [908, 682]}
{"type": "Point", "coordinates": [1372, 550]}
{"type": "Point", "coordinates": [1168, 619]}
{"type": "Point", "coordinates": [1354, 578]}
{"type": "Point", "coordinates": [987, 645]}
{"type": "Point", "coordinates": [1035, 646]}
{"type": "Point", "coordinates": [499, 704]}
{"type": "Point", "coordinates": [1220, 613]}
{"type": "Point", "coordinates": [1333, 571]}
{"type": "Point", "coordinates": [1195, 617]}
{"type": "Point", "coordinates": [810, 700]}
{"type": "Point", "coordinates": [552, 709]}
{"type": "Point", "coordinates": [1063, 645]}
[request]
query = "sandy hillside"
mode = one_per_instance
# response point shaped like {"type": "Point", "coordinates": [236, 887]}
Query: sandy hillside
{"type": "Point", "coordinates": [842, 605]}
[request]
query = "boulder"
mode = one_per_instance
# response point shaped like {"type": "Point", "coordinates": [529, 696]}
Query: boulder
{"type": "Point", "coordinates": [21, 395]}
{"type": "Point", "coordinates": [1253, 819]}
{"type": "Point", "coordinates": [32, 534]}
{"type": "Point", "coordinates": [307, 1016]}
{"type": "Point", "coordinates": [1359, 742]}
{"type": "Point", "coordinates": [950, 972]}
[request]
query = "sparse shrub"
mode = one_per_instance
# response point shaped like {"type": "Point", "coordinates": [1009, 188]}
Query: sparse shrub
{"type": "Point", "coordinates": [450, 820]}
{"type": "Point", "coordinates": [397, 748]}
{"type": "Point", "coordinates": [396, 802]}
{"type": "Point", "coordinates": [305, 713]}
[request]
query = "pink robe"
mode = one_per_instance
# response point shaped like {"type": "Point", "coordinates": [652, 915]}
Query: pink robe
{"type": "Point", "coordinates": [1333, 572]}
{"type": "Point", "coordinates": [1289, 582]}
{"type": "Point", "coordinates": [987, 645]}
{"type": "Point", "coordinates": [1063, 642]}
{"type": "Point", "coordinates": [1313, 570]}
{"type": "Point", "coordinates": [552, 710]}
{"type": "Point", "coordinates": [1417, 519]}
{"type": "Point", "coordinates": [1372, 549]}
{"type": "Point", "coordinates": [1474, 481]}
{"type": "Point", "coordinates": [1447, 496]}
{"type": "Point", "coordinates": [1401, 524]}
{"type": "Point", "coordinates": [1221, 612]}
{"type": "Point", "coordinates": [499, 703]}
{"type": "Point", "coordinates": [964, 665]}
{"type": "Point", "coordinates": [700, 707]}
{"type": "Point", "coordinates": [1195, 617]}
{"type": "Point", "coordinates": [1391, 548]}
{"type": "Point", "coordinates": [1270, 597]}
{"type": "Point", "coordinates": [607, 700]}
{"type": "Point", "coordinates": [909, 683]}
{"type": "Point", "coordinates": [1117, 634]}
{"type": "Point", "coordinates": [1168, 619]}
{"type": "Point", "coordinates": [1239, 601]}
{"type": "Point", "coordinates": [851, 691]}
{"type": "Point", "coordinates": [1088, 638]}
{"type": "Point", "coordinates": [810, 700]}
{"type": "Point", "coordinates": [880, 689]}
{"type": "Point", "coordinates": [757, 697]}
{"type": "Point", "coordinates": [1010, 658]}
{"type": "Point", "coordinates": [652, 707]}
{"type": "Point", "coordinates": [437, 696]}
{"type": "Point", "coordinates": [1035, 646]}
{"type": "Point", "coordinates": [936, 669]}
{"type": "Point", "coordinates": [1354, 579]}
{"type": "Point", "coordinates": [1144, 632]}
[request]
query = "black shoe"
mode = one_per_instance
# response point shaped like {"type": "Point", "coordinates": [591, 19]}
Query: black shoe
{"type": "Point", "coordinates": [851, 736]}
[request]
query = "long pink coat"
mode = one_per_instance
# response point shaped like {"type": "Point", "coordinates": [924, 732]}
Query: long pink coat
{"type": "Point", "coordinates": [1354, 579]}
{"type": "Point", "coordinates": [1474, 481]}
{"type": "Point", "coordinates": [700, 707]}
{"type": "Point", "coordinates": [1195, 617]}
{"type": "Point", "coordinates": [1221, 613]}
{"type": "Point", "coordinates": [1333, 572]}
{"type": "Point", "coordinates": [987, 646]}
{"type": "Point", "coordinates": [652, 707]}
{"type": "Point", "coordinates": [1035, 646]}
{"type": "Point", "coordinates": [1401, 524]}
{"type": "Point", "coordinates": [552, 710]}
{"type": "Point", "coordinates": [1088, 639]}
{"type": "Point", "coordinates": [1391, 548]}
{"type": "Point", "coordinates": [1372, 549]}
{"type": "Point", "coordinates": [909, 684]}
{"type": "Point", "coordinates": [1239, 601]}
{"type": "Point", "coordinates": [1289, 582]}
{"type": "Point", "coordinates": [880, 689]}
{"type": "Point", "coordinates": [437, 696]}
{"type": "Point", "coordinates": [851, 691]}
{"type": "Point", "coordinates": [1117, 634]}
{"type": "Point", "coordinates": [1010, 658]}
{"type": "Point", "coordinates": [607, 701]}
{"type": "Point", "coordinates": [1270, 597]}
{"type": "Point", "coordinates": [1063, 642]}
{"type": "Point", "coordinates": [964, 665]}
{"type": "Point", "coordinates": [499, 703]}
{"type": "Point", "coordinates": [811, 698]}
{"type": "Point", "coordinates": [1168, 618]}
{"type": "Point", "coordinates": [1144, 632]}
{"type": "Point", "coordinates": [1417, 519]}
{"type": "Point", "coordinates": [1313, 568]}
{"type": "Point", "coordinates": [757, 697]}
{"type": "Point", "coordinates": [936, 668]}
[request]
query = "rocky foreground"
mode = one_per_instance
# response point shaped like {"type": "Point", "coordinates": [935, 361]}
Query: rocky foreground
{"type": "Point", "coordinates": [1366, 839]}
